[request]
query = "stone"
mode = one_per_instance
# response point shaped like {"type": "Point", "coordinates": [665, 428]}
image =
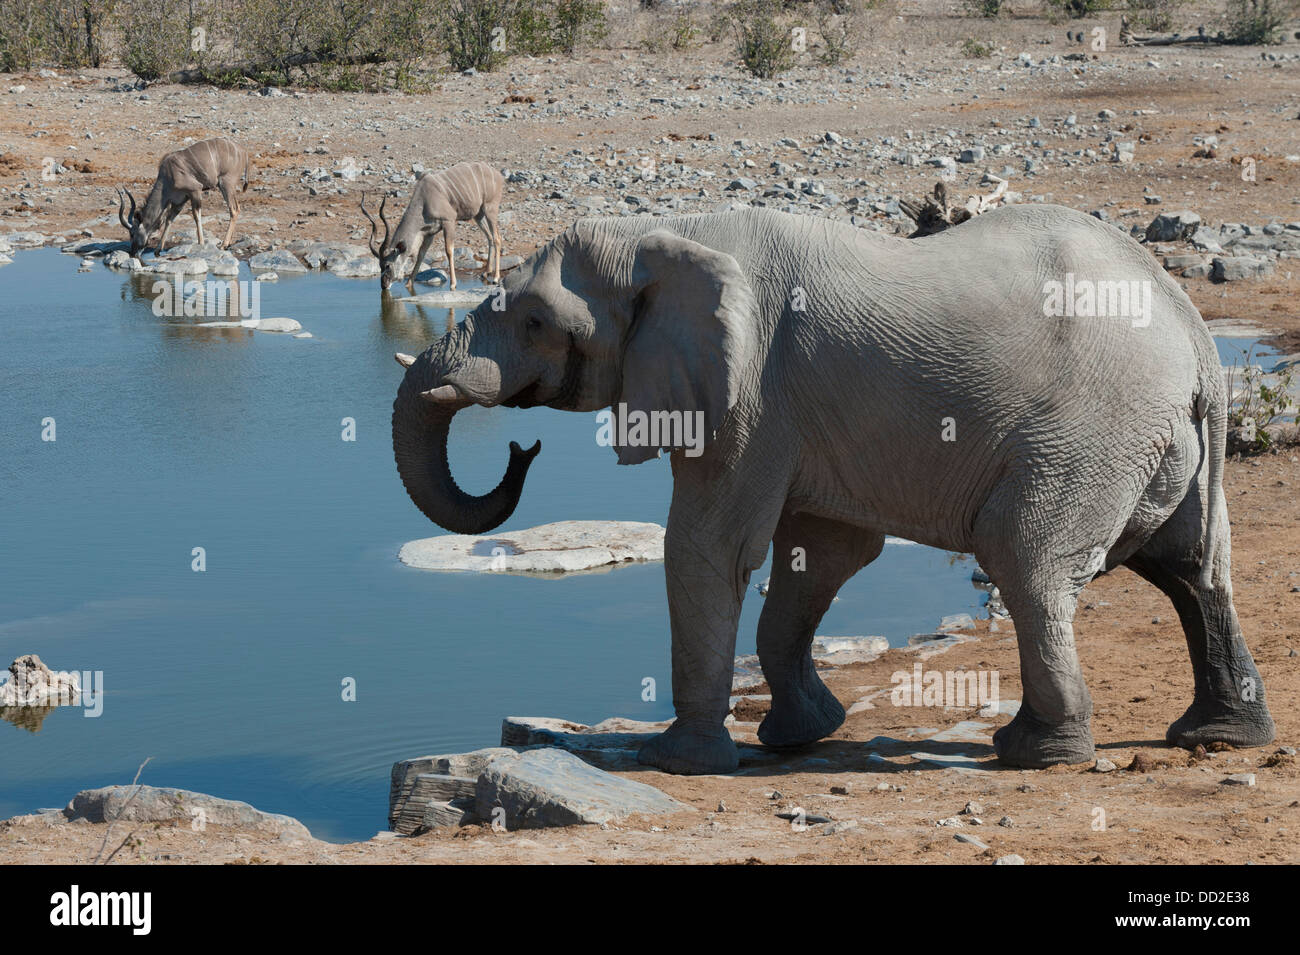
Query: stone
{"type": "Point", "coordinates": [280, 260]}
{"type": "Point", "coordinates": [841, 650]}
{"type": "Point", "coordinates": [1176, 263]}
{"type": "Point", "coordinates": [563, 547]}
{"type": "Point", "coordinates": [349, 265]}
{"type": "Point", "coordinates": [449, 298]}
{"type": "Point", "coordinates": [971, 840]}
{"type": "Point", "coordinates": [1234, 268]}
{"type": "Point", "coordinates": [541, 788]}
{"type": "Point", "coordinates": [973, 154]}
{"type": "Point", "coordinates": [177, 266]}
{"type": "Point", "coordinates": [957, 621]}
{"type": "Point", "coordinates": [1172, 226]}
{"type": "Point", "coordinates": [25, 240]}
{"type": "Point", "coordinates": [1012, 859]}
{"type": "Point", "coordinates": [1104, 766]}
{"type": "Point", "coordinates": [1240, 779]}
{"type": "Point", "coordinates": [405, 814]}
{"type": "Point", "coordinates": [278, 325]}
{"type": "Point", "coordinates": [159, 804]}
{"type": "Point", "coordinates": [31, 683]}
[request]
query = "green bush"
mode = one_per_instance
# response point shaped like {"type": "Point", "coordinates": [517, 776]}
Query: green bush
{"type": "Point", "coordinates": [982, 8]}
{"type": "Point", "coordinates": [578, 23]}
{"type": "Point", "coordinates": [762, 43]}
{"type": "Point", "coordinates": [1258, 21]}
{"type": "Point", "coordinates": [67, 33]}
{"type": "Point", "coordinates": [476, 32]}
{"type": "Point", "coordinates": [156, 37]}
{"type": "Point", "coordinates": [839, 24]}
{"type": "Point", "coordinates": [1075, 9]}
{"type": "Point", "coordinates": [976, 50]}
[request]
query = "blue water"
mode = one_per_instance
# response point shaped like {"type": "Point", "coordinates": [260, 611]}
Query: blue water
{"type": "Point", "coordinates": [171, 437]}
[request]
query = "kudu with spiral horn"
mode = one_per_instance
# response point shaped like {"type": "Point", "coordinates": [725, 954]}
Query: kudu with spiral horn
{"type": "Point", "coordinates": [183, 177]}
{"type": "Point", "coordinates": [468, 190]}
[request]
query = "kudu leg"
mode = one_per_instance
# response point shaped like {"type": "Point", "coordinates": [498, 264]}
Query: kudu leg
{"type": "Point", "coordinates": [232, 206]}
{"type": "Point", "coordinates": [195, 210]}
{"type": "Point", "coordinates": [168, 218]}
{"type": "Point", "coordinates": [449, 242]}
{"type": "Point", "coordinates": [425, 243]}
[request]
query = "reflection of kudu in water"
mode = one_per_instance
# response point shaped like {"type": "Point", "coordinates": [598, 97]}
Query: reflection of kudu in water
{"type": "Point", "coordinates": [468, 190]}
{"type": "Point", "coordinates": [183, 176]}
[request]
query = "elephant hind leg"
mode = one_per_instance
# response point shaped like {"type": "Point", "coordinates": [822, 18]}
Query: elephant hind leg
{"type": "Point", "coordinates": [812, 557]}
{"type": "Point", "coordinates": [1040, 561]}
{"type": "Point", "coordinates": [1228, 700]}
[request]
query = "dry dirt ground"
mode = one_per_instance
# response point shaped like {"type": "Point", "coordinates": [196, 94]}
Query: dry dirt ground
{"type": "Point", "coordinates": [1161, 805]}
{"type": "Point", "coordinates": [1168, 807]}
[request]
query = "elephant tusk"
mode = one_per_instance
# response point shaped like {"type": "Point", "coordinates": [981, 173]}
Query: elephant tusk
{"type": "Point", "coordinates": [406, 361]}
{"type": "Point", "coordinates": [442, 394]}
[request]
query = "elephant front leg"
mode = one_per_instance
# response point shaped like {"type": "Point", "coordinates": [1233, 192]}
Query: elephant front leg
{"type": "Point", "coordinates": [709, 554]}
{"type": "Point", "coordinates": [811, 559]}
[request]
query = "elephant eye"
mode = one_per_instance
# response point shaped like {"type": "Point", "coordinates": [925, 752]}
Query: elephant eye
{"type": "Point", "coordinates": [534, 323]}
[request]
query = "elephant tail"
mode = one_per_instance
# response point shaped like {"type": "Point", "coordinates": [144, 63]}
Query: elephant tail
{"type": "Point", "coordinates": [1212, 406]}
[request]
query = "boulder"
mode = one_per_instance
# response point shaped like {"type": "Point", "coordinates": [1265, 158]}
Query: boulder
{"type": "Point", "coordinates": [352, 264]}
{"type": "Point", "coordinates": [1173, 226]}
{"type": "Point", "coordinates": [540, 788]}
{"type": "Point", "coordinates": [277, 325]}
{"type": "Point", "coordinates": [122, 260]}
{"type": "Point", "coordinates": [449, 298]}
{"type": "Point", "coordinates": [158, 804]}
{"type": "Point", "coordinates": [25, 240]}
{"type": "Point", "coordinates": [1233, 268]}
{"type": "Point", "coordinates": [32, 683]}
{"type": "Point", "coordinates": [408, 799]}
{"type": "Point", "coordinates": [280, 260]}
{"type": "Point", "coordinates": [563, 547]}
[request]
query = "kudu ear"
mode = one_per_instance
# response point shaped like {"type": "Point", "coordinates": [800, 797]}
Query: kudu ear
{"type": "Point", "coordinates": [690, 342]}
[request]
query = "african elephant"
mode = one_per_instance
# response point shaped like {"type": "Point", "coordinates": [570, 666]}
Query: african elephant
{"type": "Point", "coordinates": [853, 385]}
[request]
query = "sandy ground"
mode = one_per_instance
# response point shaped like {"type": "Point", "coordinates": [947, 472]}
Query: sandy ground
{"type": "Point", "coordinates": [1168, 807]}
{"type": "Point", "coordinates": [1161, 805]}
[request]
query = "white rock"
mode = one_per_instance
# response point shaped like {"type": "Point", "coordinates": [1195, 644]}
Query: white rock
{"type": "Point", "coordinates": [563, 547]}
{"type": "Point", "coordinates": [278, 325]}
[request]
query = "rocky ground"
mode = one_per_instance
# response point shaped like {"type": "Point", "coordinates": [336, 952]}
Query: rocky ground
{"type": "Point", "coordinates": [894, 784]}
{"type": "Point", "coordinates": [1128, 133]}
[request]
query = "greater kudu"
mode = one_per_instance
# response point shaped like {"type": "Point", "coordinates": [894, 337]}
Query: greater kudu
{"type": "Point", "coordinates": [183, 176]}
{"type": "Point", "coordinates": [468, 190]}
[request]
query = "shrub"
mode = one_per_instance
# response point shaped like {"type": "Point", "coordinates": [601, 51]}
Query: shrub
{"type": "Point", "coordinates": [976, 50]}
{"type": "Point", "coordinates": [68, 33]}
{"type": "Point", "coordinates": [839, 24]}
{"type": "Point", "coordinates": [1258, 21]}
{"type": "Point", "coordinates": [982, 8]}
{"type": "Point", "coordinates": [762, 43]}
{"type": "Point", "coordinates": [577, 23]}
{"type": "Point", "coordinates": [1258, 404]}
{"type": "Point", "coordinates": [156, 37]}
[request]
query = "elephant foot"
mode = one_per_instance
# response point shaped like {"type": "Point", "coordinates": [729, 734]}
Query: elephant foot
{"type": "Point", "coordinates": [802, 716]}
{"type": "Point", "coordinates": [691, 750]}
{"type": "Point", "coordinates": [1206, 723]}
{"type": "Point", "coordinates": [1030, 743]}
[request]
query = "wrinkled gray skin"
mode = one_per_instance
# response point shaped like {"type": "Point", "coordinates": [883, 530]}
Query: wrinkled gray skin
{"type": "Point", "coordinates": [1079, 446]}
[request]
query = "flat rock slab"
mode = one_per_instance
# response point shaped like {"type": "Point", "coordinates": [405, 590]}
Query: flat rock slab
{"type": "Point", "coordinates": [563, 547]}
{"type": "Point", "coordinates": [449, 298]}
{"type": "Point", "coordinates": [540, 788]}
{"type": "Point", "coordinates": [159, 804]}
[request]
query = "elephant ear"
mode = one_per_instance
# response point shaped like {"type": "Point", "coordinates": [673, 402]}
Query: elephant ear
{"type": "Point", "coordinates": [690, 340]}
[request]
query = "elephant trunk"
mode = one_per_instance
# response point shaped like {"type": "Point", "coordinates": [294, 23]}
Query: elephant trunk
{"type": "Point", "coordinates": [420, 430]}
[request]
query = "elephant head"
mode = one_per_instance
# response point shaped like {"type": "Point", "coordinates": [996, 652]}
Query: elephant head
{"type": "Point", "coordinates": [609, 314]}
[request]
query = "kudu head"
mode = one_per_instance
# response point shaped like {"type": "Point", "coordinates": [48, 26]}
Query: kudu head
{"type": "Point", "coordinates": [388, 252]}
{"type": "Point", "coordinates": [133, 221]}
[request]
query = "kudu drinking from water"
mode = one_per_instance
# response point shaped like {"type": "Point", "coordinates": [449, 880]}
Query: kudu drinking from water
{"type": "Point", "coordinates": [183, 176]}
{"type": "Point", "coordinates": [468, 190]}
